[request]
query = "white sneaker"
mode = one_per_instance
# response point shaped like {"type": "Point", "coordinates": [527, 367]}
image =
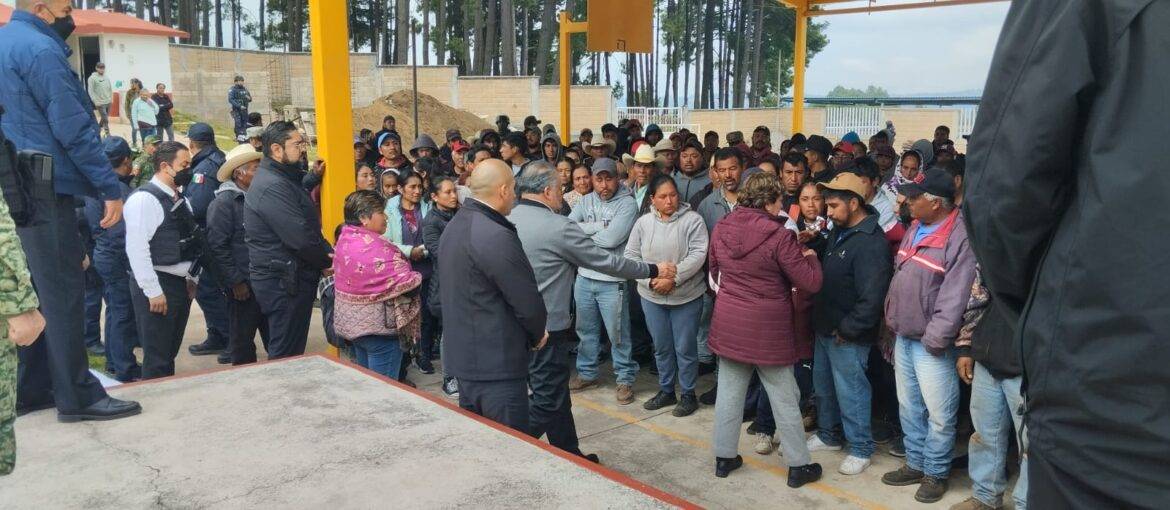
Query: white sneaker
{"type": "Point", "coordinates": [816, 445]}
{"type": "Point", "coordinates": [764, 443]}
{"type": "Point", "coordinates": [853, 465]}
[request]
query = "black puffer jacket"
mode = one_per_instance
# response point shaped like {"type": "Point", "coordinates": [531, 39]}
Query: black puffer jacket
{"type": "Point", "coordinates": [432, 228]}
{"type": "Point", "coordinates": [225, 234]}
{"type": "Point", "coordinates": [201, 191]}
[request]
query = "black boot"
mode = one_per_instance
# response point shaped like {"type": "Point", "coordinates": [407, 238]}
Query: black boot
{"type": "Point", "coordinates": [708, 398]}
{"type": "Point", "coordinates": [800, 475]}
{"type": "Point", "coordinates": [724, 466]}
{"type": "Point", "coordinates": [108, 408]}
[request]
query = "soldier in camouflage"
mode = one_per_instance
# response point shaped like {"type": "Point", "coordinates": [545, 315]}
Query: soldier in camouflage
{"type": "Point", "coordinates": [22, 325]}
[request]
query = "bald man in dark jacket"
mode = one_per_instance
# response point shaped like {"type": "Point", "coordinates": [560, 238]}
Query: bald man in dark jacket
{"type": "Point", "coordinates": [495, 315]}
{"type": "Point", "coordinates": [1066, 182]}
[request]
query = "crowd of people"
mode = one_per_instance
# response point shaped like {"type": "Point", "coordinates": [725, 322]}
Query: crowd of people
{"type": "Point", "coordinates": [831, 287]}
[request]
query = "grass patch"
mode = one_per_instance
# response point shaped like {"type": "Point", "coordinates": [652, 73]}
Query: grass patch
{"type": "Point", "coordinates": [96, 362]}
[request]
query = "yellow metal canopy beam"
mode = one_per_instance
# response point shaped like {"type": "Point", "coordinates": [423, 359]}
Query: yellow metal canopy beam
{"type": "Point", "coordinates": [329, 38]}
{"type": "Point", "coordinates": [568, 28]}
{"type": "Point", "coordinates": [810, 8]}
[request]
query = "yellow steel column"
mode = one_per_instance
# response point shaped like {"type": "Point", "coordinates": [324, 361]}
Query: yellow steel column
{"type": "Point", "coordinates": [799, 56]}
{"type": "Point", "coordinates": [329, 43]}
{"type": "Point", "coordinates": [568, 28]}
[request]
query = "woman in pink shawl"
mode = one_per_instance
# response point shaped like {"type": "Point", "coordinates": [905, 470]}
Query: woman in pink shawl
{"type": "Point", "coordinates": [377, 305]}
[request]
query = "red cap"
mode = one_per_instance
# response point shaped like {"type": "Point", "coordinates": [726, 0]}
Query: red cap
{"type": "Point", "coordinates": [843, 146]}
{"type": "Point", "coordinates": [459, 145]}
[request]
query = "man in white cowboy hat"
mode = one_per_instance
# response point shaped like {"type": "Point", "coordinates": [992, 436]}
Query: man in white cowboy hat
{"type": "Point", "coordinates": [225, 241]}
{"type": "Point", "coordinates": [602, 148]}
{"type": "Point", "coordinates": [643, 167]}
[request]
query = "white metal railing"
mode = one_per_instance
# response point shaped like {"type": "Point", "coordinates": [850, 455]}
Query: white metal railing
{"type": "Point", "coordinates": [864, 120]}
{"type": "Point", "coordinates": [967, 115]}
{"type": "Point", "coordinates": [669, 119]}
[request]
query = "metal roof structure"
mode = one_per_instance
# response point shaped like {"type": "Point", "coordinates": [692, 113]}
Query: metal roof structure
{"type": "Point", "coordinates": [92, 22]}
{"type": "Point", "coordinates": [814, 8]}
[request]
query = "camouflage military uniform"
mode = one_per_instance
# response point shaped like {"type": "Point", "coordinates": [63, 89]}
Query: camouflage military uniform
{"type": "Point", "coordinates": [16, 297]}
{"type": "Point", "coordinates": [145, 168]}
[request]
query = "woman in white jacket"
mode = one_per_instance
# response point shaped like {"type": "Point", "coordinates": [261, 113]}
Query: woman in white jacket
{"type": "Point", "coordinates": [671, 232]}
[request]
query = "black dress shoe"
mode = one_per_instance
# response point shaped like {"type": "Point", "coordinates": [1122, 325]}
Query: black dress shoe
{"type": "Point", "coordinates": [205, 348]}
{"type": "Point", "coordinates": [592, 457]}
{"type": "Point", "coordinates": [800, 475]}
{"type": "Point", "coordinates": [108, 408]}
{"type": "Point", "coordinates": [724, 466]}
{"type": "Point", "coordinates": [224, 358]}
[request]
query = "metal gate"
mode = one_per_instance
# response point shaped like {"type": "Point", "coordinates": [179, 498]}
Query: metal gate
{"type": "Point", "coordinates": [864, 120]}
{"type": "Point", "coordinates": [967, 115]}
{"type": "Point", "coordinates": [669, 119]}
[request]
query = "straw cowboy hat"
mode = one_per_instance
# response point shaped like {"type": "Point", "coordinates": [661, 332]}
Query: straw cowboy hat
{"type": "Point", "coordinates": [610, 145]}
{"type": "Point", "coordinates": [644, 154]}
{"type": "Point", "coordinates": [236, 157]}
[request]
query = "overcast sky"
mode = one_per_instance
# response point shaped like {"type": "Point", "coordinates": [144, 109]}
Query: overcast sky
{"type": "Point", "coordinates": [917, 51]}
{"type": "Point", "coordinates": [921, 51]}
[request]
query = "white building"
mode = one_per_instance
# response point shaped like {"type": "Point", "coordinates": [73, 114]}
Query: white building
{"type": "Point", "coordinates": [130, 47]}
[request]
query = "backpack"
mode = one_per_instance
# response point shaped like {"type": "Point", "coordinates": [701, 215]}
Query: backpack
{"type": "Point", "coordinates": [17, 181]}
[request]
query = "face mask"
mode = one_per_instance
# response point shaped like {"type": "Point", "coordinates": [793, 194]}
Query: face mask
{"type": "Point", "coordinates": [182, 179]}
{"type": "Point", "coordinates": [64, 25]}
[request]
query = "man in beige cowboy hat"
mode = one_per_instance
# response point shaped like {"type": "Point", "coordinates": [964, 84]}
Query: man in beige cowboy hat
{"type": "Point", "coordinates": [225, 242]}
{"type": "Point", "coordinates": [643, 166]}
{"type": "Point", "coordinates": [665, 151]}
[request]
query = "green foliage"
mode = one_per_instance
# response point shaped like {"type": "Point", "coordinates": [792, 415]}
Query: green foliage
{"type": "Point", "coordinates": [870, 91]}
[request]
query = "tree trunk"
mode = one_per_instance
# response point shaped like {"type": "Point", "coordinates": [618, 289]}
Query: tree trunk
{"type": "Point", "coordinates": [507, 38]}
{"type": "Point", "coordinates": [402, 32]}
{"type": "Point", "coordinates": [263, 29]}
{"type": "Point", "coordinates": [549, 27]}
{"type": "Point", "coordinates": [743, 55]}
{"type": "Point", "coordinates": [480, 58]}
{"type": "Point", "coordinates": [441, 33]}
{"type": "Point", "coordinates": [757, 41]}
{"type": "Point", "coordinates": [219, 23]}
{"type": "Point", "coordinates": [426, 32]}
{"type": "Point", "coordinates": [492, 46]}
{"type": "Point", "coordinates": [139, 8]}
{"type": "Point", "coordinates": [526, 25]}
{"type": "Point", "coordinates": [707, 87]}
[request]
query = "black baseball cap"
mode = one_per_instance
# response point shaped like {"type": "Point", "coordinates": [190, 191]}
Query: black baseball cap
{"type": "Point", "coordinates": [935, 181]}
{"type": "Point", "coordinates": [201, 132]}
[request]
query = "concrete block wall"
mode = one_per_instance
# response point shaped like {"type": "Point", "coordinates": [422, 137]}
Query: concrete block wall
{"type": "Point", "coordinates": [488, 96]}
{"type": "Point", "coordinates": [591, 107]}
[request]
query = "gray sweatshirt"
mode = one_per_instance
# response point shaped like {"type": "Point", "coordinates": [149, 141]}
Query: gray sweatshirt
{"type": "Point", "coordinates": [555, 247]}
{"type": "Point", "coordinates": [681, 239]}
{"type": "Point", "coordinates": [608, 223]}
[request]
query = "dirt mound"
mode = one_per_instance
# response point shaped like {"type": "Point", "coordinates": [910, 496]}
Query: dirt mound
{"type": "Point", "coordinates": [434, 116]}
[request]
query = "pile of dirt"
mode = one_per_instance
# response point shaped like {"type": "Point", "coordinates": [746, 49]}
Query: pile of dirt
{"type": "Point", "coordinates": [434, 116]}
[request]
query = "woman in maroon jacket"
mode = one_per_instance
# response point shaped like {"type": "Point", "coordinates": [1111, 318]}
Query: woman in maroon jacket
{"type": "Point", "coordinates": [755, 262]}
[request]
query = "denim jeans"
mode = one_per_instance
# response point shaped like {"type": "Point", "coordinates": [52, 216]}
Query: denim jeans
{"type": "Point", "coordinates": [996, 411]}
{"type": "Point", "coordinates": [705, 355]}
{"type": "Point", "coordinates": [928, 400]}
{"type": "Point", "coordinates": [603, 304]}
{"type": "Point", "coordinates": [673, 330]}
{"type": "Point", "coordinates": [843, 394]}
{"type": "Point", "coordinates": [145, 132]}
{"type": "Point", "coordinates": [121, 328]}
{"type": "Point", "coordinates": [378, 353]}
{"type": "Point", "coordinates": [169, 131]}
